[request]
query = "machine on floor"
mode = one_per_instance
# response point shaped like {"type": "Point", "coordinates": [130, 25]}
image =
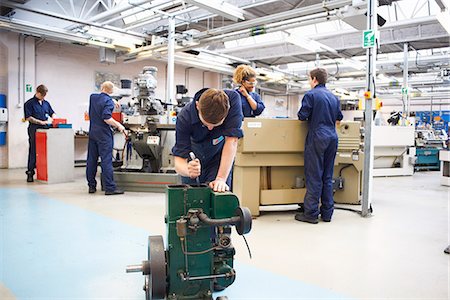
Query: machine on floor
{"type": "Point", "coordinates": [198, 256]}
{"type": "Point", "coordinates": [394, 151]}
{"type": "Point", "coordinates": [269, 165]}
{"type": "Point", "coordinates": [147, 162]}
{"type": "Point", "coordinates": [429, 142]}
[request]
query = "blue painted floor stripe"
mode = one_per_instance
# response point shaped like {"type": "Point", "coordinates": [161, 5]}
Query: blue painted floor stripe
{"type": "Point", "coordinates": [53, 250]}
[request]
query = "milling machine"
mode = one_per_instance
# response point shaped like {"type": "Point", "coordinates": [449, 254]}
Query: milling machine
{"type": "Point", "coordinates": [269, 165]}
{"type": "Point", "coordinates": [147, 164]}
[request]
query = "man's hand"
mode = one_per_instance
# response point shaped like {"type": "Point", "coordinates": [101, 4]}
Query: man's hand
{"type": "Point", "coordinates": [42, 122]}
{"type": "Point", "coordinates": [116, 103]}
{"type": "Point", "coordinates": [194, 168]}
{"type": "Point", "coordinates": [121, 128]}
{"type": "Point", "coordinates": [219, 185]}
{"type": "Point", "coordinates": [243, 91]}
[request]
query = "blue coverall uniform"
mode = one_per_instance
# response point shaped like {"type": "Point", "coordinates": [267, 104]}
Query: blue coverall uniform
{"type": "Point", "coordinates": [322, 109]}
{"type": "Point", "coordinates": [100, 143]}
{"type": "Point", "coordinates": [207, 145]}
{"type": "Point", "coordinates": [41, 111]}
{"type": "Point", "coordinates": [247, 110]}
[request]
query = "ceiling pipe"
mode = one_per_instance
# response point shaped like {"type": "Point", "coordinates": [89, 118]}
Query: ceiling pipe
{"type": "Point", "coordinates": [303, 11]}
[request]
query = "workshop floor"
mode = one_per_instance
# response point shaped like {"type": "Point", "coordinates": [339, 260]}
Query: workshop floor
{"type": "Point", "coordinates": [59, 242]}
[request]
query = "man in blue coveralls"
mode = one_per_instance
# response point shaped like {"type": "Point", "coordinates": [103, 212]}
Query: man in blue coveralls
{"type": "Point", "coordinates": [101, 140]}
{"type": "Point", "coordinates": [38, 113]}
{"type": "Point", "coordinates": [322, 110]}
{"type": "Point", "coordinates": [209, 126]}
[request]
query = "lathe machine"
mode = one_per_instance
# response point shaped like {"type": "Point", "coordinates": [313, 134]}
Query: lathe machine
{"type": "Point", "coordinates": [269, 165]}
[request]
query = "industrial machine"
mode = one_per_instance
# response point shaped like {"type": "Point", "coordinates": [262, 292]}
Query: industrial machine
{"type": "Point", "coordinates": [198, 257]}
{"type": "Point", "coordinates": [394, 151]}
{"type": "Point", "coordinates": [269, 165]}
{"type": "Point", "coordinates": [444, 157]}
{"type": "Point", "coordinates": [429, 142]}
{"type": "Point", "coordinates": [147, 163]}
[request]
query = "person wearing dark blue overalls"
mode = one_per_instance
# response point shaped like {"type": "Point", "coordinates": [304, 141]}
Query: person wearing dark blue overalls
{"type": "Point", "coordinates": [209, 126]}
{"type": "Point", "coordinates": [38, 112]}
{"type": "Point", "coordinates": [100, 142]}
{"type": "Point", "coordinates": [322, 110]}
{"type": "Point", "coordinates": [245, 77]}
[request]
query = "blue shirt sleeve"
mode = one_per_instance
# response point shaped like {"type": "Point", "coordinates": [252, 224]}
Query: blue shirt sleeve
{"type": "Point", "coordinates": [28, 109]}
{"type": "Point", "coordinates": [339, 113]}
{"type": "Point", "coordinates": [259, 104]}
{"type": "Point", "coordinates": [233, 122]}
{"type": "Point", "coordinates": [51, 111]}
{"type": "Point", "coordinates": [305, 111]}
{"type": "Point", "coordinates": [108, 109]}
{"type": "Point", "coordinates": [182, 137]}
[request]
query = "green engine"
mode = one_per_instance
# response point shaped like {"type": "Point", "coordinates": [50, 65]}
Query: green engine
{"type": "Point", "coordinates": [199, 255]}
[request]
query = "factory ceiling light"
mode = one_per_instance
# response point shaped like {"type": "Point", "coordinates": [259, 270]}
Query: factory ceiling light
{"type": "Point", "coordinates": [221, 8]}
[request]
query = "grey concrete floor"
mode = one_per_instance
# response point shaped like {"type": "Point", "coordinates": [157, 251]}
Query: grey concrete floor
{"type": "Point", "coordinates": [397, 253]}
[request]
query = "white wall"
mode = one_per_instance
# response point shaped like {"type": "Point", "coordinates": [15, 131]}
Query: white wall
{"type": "Point", "coordinates": [17, 141]}
{"type": "Point", "coordinates": [68, 72]}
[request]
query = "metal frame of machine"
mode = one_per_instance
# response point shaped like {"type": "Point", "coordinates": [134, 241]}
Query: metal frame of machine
{"type": "Point", "coordinates": [269, 165]}
{"type": "Point", "coordinates": [394, 151]}
{"type": "Point", "coordinates": [198, 257]}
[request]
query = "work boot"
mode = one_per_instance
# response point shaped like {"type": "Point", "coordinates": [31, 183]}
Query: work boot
{"type": "Point", "coordinates": [92, 190]}
{"type": "Point", "coordinates": [115, 192]}
{"type": "Point", "coordinates": [30, 176]}
{"type": "Point", "coordinates": [302, 218]}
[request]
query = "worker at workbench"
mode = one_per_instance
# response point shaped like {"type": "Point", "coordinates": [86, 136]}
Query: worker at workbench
{"type": "Point", "coordinates": [245, 77]}
{"type": "Point", "coordinates": [322, 110]}
{"type": "Point", "coordinates": [209, 126]}
{"type": "Point", "coordinates": [39, 113]}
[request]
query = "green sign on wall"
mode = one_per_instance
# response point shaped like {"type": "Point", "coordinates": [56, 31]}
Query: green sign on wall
{"type": "Point", "coordinates": [368, 39]}
{"type": "Point", "coordinates": [28, 88]}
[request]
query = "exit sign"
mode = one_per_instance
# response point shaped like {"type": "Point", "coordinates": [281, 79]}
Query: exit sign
{"type": "Point", "coordinates": [28, 88]}
{"type": "Point", "coordinates": [404, 90]}
{"type": "Point", "coordinates": [368, 39]}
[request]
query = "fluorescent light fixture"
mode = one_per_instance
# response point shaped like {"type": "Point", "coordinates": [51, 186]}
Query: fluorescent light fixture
{"type": "Point", "coordinates": [119, 39]}
{"type": "Point", "coordinates": [353, 63]}
{"type": "Point", "coordinates": [221, 8]}
{"type": "Point", "coordinates": [308, 44]}
{"type": "Point", "coordinates": [101, 44]}
{"type": "Point", "coordinates": [444, 18]}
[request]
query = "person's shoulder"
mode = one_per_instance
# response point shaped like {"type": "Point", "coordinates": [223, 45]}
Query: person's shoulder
{"type": "Point", "coordinates": [233, 95]}
{"type": "Point", "coordinates": [186, 110]}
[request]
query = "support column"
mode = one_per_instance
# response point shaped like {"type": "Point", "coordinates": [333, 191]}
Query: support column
{"type": "Point", "coordinates": [405, 89]}
{"type": "Point", "coordinates": [171, 62]}
{"type": "Point", "coordinates": [368, 114]}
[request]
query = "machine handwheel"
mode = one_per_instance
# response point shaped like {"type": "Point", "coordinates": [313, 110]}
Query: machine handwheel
{"type": "Point", "coordinates": [245, 224]}
{"type": "Point", "coordinates": [155, 283]}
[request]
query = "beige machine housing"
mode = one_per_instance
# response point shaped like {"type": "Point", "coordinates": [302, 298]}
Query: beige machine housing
{"type": "Point", "coordinates": [269, 165]}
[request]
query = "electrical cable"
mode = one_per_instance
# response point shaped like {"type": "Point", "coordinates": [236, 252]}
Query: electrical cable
{"type": "Point", "coordinates": [248, 248]}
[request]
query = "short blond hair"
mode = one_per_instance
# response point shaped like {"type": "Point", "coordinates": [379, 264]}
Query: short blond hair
{"type": "Point", "coordinates": [242, 73]}
{"type": "Point", "coordinates": [107, 87]}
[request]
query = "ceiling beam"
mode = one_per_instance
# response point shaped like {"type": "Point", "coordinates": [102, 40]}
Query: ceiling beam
{"type": "Point", "coordinates": [441, 5]}
{"type": "Point", "coordinates": [71, 19]}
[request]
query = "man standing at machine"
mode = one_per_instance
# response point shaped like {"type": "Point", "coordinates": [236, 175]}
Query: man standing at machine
{"type": "Point", "coordinates": [101, 140]}
{"type": "Point", "coordinates": [209, 127]}
{"type": "Point", "coordinates": [322, 110]}
{"type": "Point", "coordinates": [38, 113]}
